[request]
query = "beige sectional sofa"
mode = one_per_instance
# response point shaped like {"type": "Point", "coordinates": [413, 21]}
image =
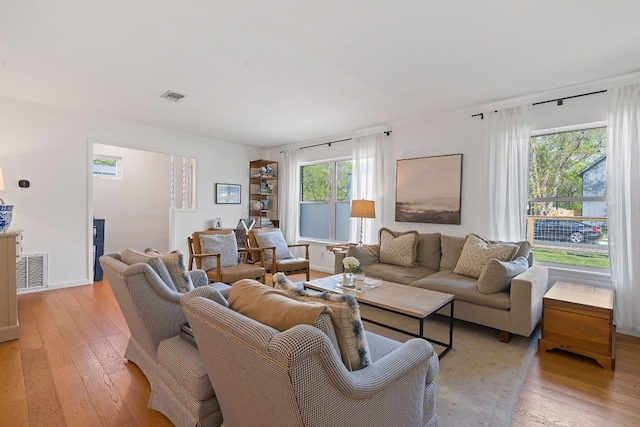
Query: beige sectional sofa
{"type": "Point", "coordinates": [513, 305]}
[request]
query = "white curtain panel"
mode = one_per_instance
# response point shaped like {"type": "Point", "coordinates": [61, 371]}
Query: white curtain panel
{"type": "Point", "coordinates": [367, 183]}
{"type": "Point", "coordinates": [623, 202]}
{"type": "Point", "coordinates": [289, 196]}
{"type": "Point", "coordinates": [507, 172]}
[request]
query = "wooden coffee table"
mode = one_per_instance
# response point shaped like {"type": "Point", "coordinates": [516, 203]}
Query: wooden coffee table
{"type": "Point", "coordinates": [405, 300]}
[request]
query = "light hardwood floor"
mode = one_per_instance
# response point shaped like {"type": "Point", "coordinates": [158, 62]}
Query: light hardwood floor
{"type": "Point", "coordinates": [67, 370]}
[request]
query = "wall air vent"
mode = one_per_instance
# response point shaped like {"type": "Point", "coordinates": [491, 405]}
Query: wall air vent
{"type": "Point", "coordinates": [172, 96]}
{"type": "Point", "coordinates": [31, 272]}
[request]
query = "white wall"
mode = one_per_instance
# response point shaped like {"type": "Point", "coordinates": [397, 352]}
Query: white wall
{"type": "Point", "coordinates": [51, 147]}
{"type": "Point", "coordinates": [458, 132]}
{"type": "Point", "coordinates": [136, 207]}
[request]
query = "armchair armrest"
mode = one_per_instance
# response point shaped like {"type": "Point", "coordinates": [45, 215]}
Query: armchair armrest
{"type": "Point", "coordinates": [248, 251]}
{"type": "Point", "coordinates": [301, 245]}
{"type": "Point", "coordinates": [527, 290]}
{"type": "Point", "coordinates": [218, 265]}
{"type": "Point", "coordinates": [198, 277]}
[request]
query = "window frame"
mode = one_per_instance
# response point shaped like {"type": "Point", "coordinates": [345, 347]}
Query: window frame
{"type": "Point", "coordinates": [332, 203]}
{"type": "Point", "coordinates": [564, 129]}
{"type": "Point", "coordinates": [119, 167]}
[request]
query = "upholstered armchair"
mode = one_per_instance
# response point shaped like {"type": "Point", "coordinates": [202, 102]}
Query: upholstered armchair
{"type": "Point", "coordinates": [264, 377]}
{"type": "Point", "coordinates": [150, 304]}
{"type": "Point", "coordinates": [216, 252]}
{"type": "Point", "coordinates": [276, 255]}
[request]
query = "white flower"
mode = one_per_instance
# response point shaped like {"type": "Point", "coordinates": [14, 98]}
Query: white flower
{"type": "Point", "coordinates": [350, 262]}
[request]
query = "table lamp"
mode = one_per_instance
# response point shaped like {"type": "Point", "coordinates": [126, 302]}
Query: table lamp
{"type": "Point", "coordinates": [362, 209]}
{"type": "Point", "coordinates": [6, 211]}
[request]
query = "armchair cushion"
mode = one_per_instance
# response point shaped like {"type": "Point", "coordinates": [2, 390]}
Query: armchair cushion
{"type": "Point", "coordinates": [347, 322]}
{"type": "Point", "coordinates": [272, 307]}
{"type": "Point", "coordinates": [224, 244]}
{"type": "Point", "coordinates": [177, 268]}
{"type": "Point", "coordinates": [131, 256]}
{"type": "Point", "coordinates": [477, 252]}
{"type": "Point", "coordinates": [273, 239]}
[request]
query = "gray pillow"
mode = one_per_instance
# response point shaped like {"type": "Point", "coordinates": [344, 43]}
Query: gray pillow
{"type": "Point", "coordinates": [369, 254]}
{"type": "Point", "coordinates": [477, 252]}
{"type": "Point", "coordinates": [224, 244]}
{"type": "Point", "coordinates": [496, 275]}
{"type": "Point", "coordinates": [176, 266]}
{"type": "Point", "coordinates": [273, 239]}
{"type": "Point", "coordinates": [131, 256]}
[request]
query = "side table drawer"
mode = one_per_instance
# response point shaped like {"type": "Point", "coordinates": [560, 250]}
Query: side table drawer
{"type": "Point", "coordinates": [575, 330]}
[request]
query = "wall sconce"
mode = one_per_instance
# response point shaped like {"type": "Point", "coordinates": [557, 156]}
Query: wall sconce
{"type": "Point", "coordinates": [362, 209]}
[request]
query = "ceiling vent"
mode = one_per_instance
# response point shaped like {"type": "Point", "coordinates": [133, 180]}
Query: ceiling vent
{"type": "Point", "coordinates": [172, 96]}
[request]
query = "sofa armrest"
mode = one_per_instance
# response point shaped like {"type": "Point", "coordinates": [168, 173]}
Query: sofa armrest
{"type": "Point", "coordinates": [527, 290]}
{"type": "Point", "coordinates": [198, 277]}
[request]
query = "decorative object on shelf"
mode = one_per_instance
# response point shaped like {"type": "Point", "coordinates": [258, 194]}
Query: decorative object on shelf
{"type": "Point", "coordinates": [228, 194]}
{"type": "Point", "coordinates": [362, 209]}
{"type": "Point", "coordinates": [266, 170]}
{"type": "Point", "coordinates": [217, 224]}
{"type": "Point", "coordinates": [256, 205]}
{"type": "Point", "coordinates": [263, 192]}
{"type": "Point", "coordinates": [265, 204]}
{"type": "Point", "coordinates": [351, 269]}
{"type": "Point", "coordinates": [429, 189]}
{"type": "Point", "coordinates": [6, 211]}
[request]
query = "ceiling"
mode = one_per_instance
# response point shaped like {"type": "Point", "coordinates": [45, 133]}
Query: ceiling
{"type": "Point", "coordinates": [268, 73]}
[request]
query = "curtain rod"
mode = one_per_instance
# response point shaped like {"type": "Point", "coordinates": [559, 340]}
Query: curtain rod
{"type": "Point", "coordinates": [386, 132]}
{"type": "Point", "coordinates": [558, 100]}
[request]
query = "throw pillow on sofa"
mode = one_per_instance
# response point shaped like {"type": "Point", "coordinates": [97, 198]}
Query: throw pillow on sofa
{"type": "Point", "coordinates": [224, 244]}
{"type": "Point", "coordinates": [477, 252]}
{"type": "Point", "coordinates": [176, 266]}
{"type": "Point", "coordinates": [131, 256]}
{"type": "Point", "coordinates": [496, 275]}
{"type": "Point", "coordinates": [349, 330]}
{"type": "Point", "coordinates": [398, 248]}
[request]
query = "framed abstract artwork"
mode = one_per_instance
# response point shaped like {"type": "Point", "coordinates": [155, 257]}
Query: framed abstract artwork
{"type": "Point", "coordinates": [228, 193]}
{"type": "Point", "coordinates": [429, 189]}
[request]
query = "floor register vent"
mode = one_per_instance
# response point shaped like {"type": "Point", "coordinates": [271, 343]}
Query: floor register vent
{"type": "Point", "coordinates": [31, 272]}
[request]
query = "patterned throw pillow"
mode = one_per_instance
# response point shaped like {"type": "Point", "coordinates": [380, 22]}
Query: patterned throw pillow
{"type": "Point", "coordinates": [496, 275]}
{"type": "Point", "coordinates": [224, 244]}
{"type": "Point", "coordinates": [398, 248]}
{"type": "Point", "coordinates": [176, 266]}
{"type": "Point", "coordinates": [350, 331]}
{"type": "Point", "coordinates": [477, 252]}
{"type": "Point", "coordinates": [273, 239]}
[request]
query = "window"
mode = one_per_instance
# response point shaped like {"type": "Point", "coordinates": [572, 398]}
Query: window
{"type": "Point", "coordinates": [567, 210]}
{"type": "Point", "coordinates": [325, 200]}
{"type": "Point", "coordinates": [107, 167]}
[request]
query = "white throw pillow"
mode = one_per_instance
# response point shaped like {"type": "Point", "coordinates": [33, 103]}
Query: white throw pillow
{"type": "Point", "coordinates": [224, 244]}
{"type": "Point", "coordinates": [477, 252]}
{"type": "Point", "coordinates": [273, 239]}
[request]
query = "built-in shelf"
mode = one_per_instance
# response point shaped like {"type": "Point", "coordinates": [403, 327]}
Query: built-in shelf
{"type": "Point", "coordinates": [263, 192]}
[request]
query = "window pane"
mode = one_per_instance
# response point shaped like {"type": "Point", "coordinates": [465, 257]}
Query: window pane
{"type": "Point", "coordinates": [567, 222]}
{"type": "Point", "coordinates": [107, 166]}
{"type": "Point", "coordinates": [343, 180]}
{"type": "Point", "coordinates": [343, 211]}
{"type": "Point", "coordinates": [316, 182]}
{"type": "Point", "coordinates": [314, 220]}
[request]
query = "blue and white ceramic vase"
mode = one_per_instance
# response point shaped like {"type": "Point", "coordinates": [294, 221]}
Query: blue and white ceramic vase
{"type": "Point", "coordinates": [6, 213]}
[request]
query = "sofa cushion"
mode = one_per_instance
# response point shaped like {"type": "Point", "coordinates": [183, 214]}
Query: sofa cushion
{"type": "Point", "coordinates": [398, 248]}
{"type": "Point", "coordinates": [273, 239]}
{"type": "Point", "coordinates": [176, 266]}
{"type": "Point", "coordinates": [369, 254]}
{"type": "Point", "coordinates": [524, 248]}
{"type": "Point", "coordinates": [131, 256]}
{"type": "Point", "coordinates": [496, 275]}
{"type": "Point", "coordinates": [451, 248]}
{"type": "Point", "coordinates": [429, 254]}
{"type": "Point", "coordinates": [465, 289]}
{"type": "Point", "coordinates": [347, 321]}
{"type": "Point", "coordinates": [224, 244]}
{"type": "Point", "coordinates": [397, 274]}
{"type": "Point", "coordinates": [477, 252]}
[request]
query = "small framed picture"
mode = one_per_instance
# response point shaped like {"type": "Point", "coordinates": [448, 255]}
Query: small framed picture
{"type": "Point", "coordinates": [228, 194]}
{"type": "Point", "coordinates": [217, 224]}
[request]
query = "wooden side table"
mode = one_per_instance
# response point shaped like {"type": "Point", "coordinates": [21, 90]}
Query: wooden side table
{"type": "Point", "coordinates": [579, 318]}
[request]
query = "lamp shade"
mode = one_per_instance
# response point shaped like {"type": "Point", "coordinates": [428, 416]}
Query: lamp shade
{"type": "Point", "coordinates": [363, 209]}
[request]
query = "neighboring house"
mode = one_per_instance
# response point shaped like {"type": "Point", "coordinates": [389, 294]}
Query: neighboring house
{"type": "Point", "coordinates": [594, 184]}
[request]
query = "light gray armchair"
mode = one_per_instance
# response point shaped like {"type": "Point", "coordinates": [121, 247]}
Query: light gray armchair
{"type": "Point", "coordinates": [151, 307]}
{"type": "Point", "coordinates": [264, 377]}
